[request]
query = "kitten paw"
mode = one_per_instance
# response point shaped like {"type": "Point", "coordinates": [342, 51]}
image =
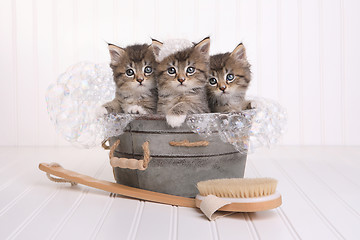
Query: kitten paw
{"type": "Point", "coordinates": [136, 109]}
{"type": "Point", "coordinates": [253, 105]}
{"type": "Point", "coordinates": [249, 105]}
{"type": "Point", "coordinates": [175, 120]}
{"type": "Point", "coordinates": [100, 112]}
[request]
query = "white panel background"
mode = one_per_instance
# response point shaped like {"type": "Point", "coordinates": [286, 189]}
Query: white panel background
{"type": "Point", "coordinates": [305, 54]}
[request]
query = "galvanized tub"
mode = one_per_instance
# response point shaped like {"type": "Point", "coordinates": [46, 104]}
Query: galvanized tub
{"type": "Point", "coordinates": [173, 169]}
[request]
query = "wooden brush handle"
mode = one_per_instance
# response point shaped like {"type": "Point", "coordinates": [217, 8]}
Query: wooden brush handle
{"type": "Point", "coordinates": [117, 188]}
{"type": "Point", "coordinates": [75, 177]}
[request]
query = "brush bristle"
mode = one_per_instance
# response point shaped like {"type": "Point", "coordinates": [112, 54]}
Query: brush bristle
{"type": "Point", "coordinates": [238, 187]}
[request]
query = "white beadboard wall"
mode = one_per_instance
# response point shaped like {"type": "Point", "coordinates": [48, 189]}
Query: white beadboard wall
{"type": "Point", "coordinates": [305, 54]}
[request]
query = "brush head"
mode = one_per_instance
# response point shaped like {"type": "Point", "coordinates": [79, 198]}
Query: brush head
{"type": "Point", "coordinates": [238, 187]}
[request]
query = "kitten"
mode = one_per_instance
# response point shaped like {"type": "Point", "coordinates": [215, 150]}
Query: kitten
{"type": "Point", "coordinates": [229, 79]}
{"type": "Point", "coordinates": [181, 81]}
{"type": "Point", "coordinates": [133, 69]}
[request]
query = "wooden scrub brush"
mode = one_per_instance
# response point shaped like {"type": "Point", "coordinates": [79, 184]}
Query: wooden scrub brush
{"type": "Point", "coordinates": [241, 194]}
{"type": "Point", "coordinates": [234, 195]}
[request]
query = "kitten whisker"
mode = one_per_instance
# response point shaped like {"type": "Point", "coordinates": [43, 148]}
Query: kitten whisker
{"type": "Point", "coordinates": [133, 61]}
{"type": "Point", "coordinates": [233, 99]}
{"type": "Point", "coordinates": [189, 94]}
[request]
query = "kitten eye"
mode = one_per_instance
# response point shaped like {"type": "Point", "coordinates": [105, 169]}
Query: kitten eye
{"type": "Point", "coordinates": [147, 69]}
{"type": "Point", "coordinates": [190, 70]}
{"type": "Point", "coordinates": [212, 81]}
{"type": "Point", "coordinates": [230, 77]}
{"type": "Point", "coordinates": [129, 72]}
{"type": "Point", "coordinates": [171, 70]}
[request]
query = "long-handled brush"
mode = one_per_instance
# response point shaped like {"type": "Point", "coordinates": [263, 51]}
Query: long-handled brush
{"type": "Point", "coordinates": [242, 195]}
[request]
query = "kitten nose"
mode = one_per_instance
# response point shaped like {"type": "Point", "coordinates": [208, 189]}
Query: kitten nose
{"type": "Point", "coordinates": [222, 88]}
{"type": "Point", "coordinates": [181, 80]}
{"type": "Point", "coordinates": [140, 80]}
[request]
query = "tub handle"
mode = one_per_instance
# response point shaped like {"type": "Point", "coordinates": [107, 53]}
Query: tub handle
{"type": "Point", "coordinates": [130, 162]}
{"type": "Point", "coordinates": [104, 145]}
{"type": "Point", "coordinates": [186, 143]}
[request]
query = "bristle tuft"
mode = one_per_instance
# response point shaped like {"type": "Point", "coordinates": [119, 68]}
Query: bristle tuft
{"type": "Point", "coordinates": [238, 187]}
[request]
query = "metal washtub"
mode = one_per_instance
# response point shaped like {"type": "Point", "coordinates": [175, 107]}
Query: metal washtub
{"type": "Point", "coordinates": [174, 169]}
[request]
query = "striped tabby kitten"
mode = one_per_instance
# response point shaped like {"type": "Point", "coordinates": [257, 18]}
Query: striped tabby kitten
{"type": "Point", "coordinates": [133, 69]}
{"type": "Point", "coordinates": [229, 79]}
{"type": "Point", "coordinates": [181, 81]}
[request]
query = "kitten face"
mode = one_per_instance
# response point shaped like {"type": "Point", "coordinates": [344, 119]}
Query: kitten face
{"type": "Point", "coordinates": [133, 68]}
{"type": "Point", "coordinates": [184, 70]}
{"type": "Point", "coordinates": [229, 76]}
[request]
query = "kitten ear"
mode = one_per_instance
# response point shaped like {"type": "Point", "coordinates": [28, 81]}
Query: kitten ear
{"type": "Point", "coordinates": [203, 46]}
{"type": "Point", "coordinates": [116, 53]}
{"type": "Point", "coordinates": [239, 53]}
{"type": "Point", "coordinates": [156, 47]}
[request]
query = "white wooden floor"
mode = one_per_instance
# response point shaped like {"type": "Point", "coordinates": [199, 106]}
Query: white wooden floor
{"type": "Point", "coordinates": [320, 188]}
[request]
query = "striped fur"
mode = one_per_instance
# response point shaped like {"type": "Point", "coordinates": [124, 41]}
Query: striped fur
{"type": "Point", "coordinates": [229, 96]}
{"type": "Point", "coordinates": [132, 94]}
{"type": "Point", "coordinates": [188, 97]}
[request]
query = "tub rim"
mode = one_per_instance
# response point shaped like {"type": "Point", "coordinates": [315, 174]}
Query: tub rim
{"type": "Point", "coordinates": [163, 117]}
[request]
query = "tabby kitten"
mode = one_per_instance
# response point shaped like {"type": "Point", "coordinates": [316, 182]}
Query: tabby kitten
{"type": "Point", "coordinates": [133, 69]}
{"type": "Point", "coordinates": [229, 79]}
{"type": "Point", "coordinates": [181, 81]}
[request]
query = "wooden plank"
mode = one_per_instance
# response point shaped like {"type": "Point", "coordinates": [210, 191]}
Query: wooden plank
{"type": "Point", "coordinates": [45, 203]}
{"type": "Point", "coordinates": [185, 26]}
{"type": "Point", "coordinates": [147, 227]}
{"type": "Point", "coordinates": [85, 209]}
{"type": "Point", "coordinates": [8, 69]}
{"type": "Point", "coordinates": [118, 221]}
{"type": "Point", "coordinates": [310, 76]}
{"type": "Point", "coordinates": [7, 170]}
{"type": "Point", "coordinates": [192, 224]}
{"type": "Point", "coordinates": [318, 200]}
{"type": "Point", "coordinates": [65, 48]}
{"type": "Point", "coordinates": [46, 74]}
{"type": "Point", "coordinates": [348, 168]}
{"type": "Point", "coordinates": [11, 189]}
{"type": "Point", "coordinates": [84, 34]}
{"type": "Point", "coordinates": [5, 164]}
{"type": "Point", "coordinates": [27, 82]}
{"type": "Point", "coordinates": [290, 71]}
{"type": "Point", "coordinates": [164, 19]}
{"type": "Point", "coordinates": [123, 22]}
{"type": "Point", "coordinates": [264, 223]}
{"type": "Point", "coordinates": [206, 23]}
{"type": "Point", "coordinates": [66, 35]}
{"type": "Point", "coordinates": [268, 62]}
{"type": "Point", "coordinates": [104, 31]}
{"type": "Point", "coordinates": [331, 42]}
{"type": "Point", "coordinates": [248, 15]}
{"type": "Point", "coordinates": [299, 211]}
{"type": "Point", "coordinates": [350, 75]}
{"type": "Point", "coordinates": [229, 227]}
{"type": "Point", "coordinates": [337, 215]}
{"type": "Point", "coordinates": [226, 24]}
{"type": "Point", "coordinates": [347, 156]}
{"type": "Point", "coordinates": [344, 189]}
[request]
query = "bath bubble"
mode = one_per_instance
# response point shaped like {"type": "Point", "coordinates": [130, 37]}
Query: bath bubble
{"type": "Point", "coordinates": [73, 100]}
